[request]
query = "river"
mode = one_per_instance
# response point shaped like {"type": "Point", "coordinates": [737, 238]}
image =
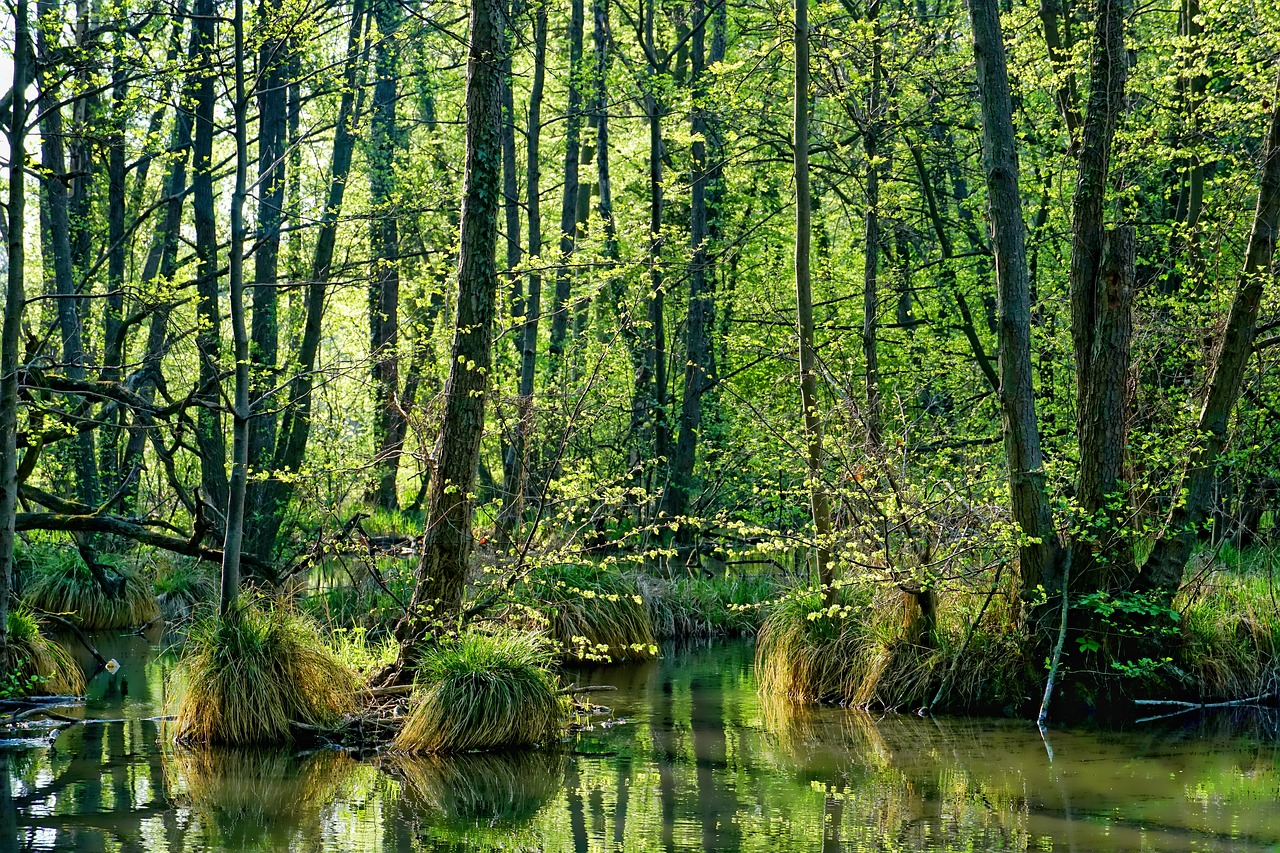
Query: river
{"type": "Point", "coordinates": [690, 759]}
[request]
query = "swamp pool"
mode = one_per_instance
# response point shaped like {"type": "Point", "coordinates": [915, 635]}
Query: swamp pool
{"type": "Point", "coordinates": [691, 759]}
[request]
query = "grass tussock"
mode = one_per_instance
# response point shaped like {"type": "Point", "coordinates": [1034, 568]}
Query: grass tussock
{"type": "Point", "coordinates": [182, 586]}
{"type": "Point", "coordinates": [250, 678]}
{"type": "Point", "coordinates": [869, 649]}
{"type": "Point", "coordinates": [491, 788]}
{"type": "Point", "coordinates": [40, 666]}
{"type": "Point", "coordinates": [696, 607]}
{"type": "Point", "coordinates": [484, 692]}
{"type": "Point", "coordinates": [59, 582]}
{"type": "Point", "coordinates": [593, 613]}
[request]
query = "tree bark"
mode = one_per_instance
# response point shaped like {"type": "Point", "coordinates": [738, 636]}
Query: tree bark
{"type": "Point", "coordinates": [1038, 550]}
{"type": "Point", "coordinates": [210, 440]}
{"type": "Point", "coordinates": [233, 542]}
{"type": "Point", "coordinates": [569, 198]}
{"type": "Point", "coordinates": [384, 293]}
{"type": "Point", "coordinates": [699, 372]}
{"type": "Point", "coordinates": [11, 330]}
{"type": "Point", "coordinates": [442, 571]}
{"type": "Point", "coordinates": [519, 488]}
{"type": "Point", "coordinates": [871, 263]}
{"type": "Point", "coordinates": [1101, 328]}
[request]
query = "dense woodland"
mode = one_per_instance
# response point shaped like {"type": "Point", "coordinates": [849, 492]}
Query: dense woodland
{"type": "Point", "coordinates": [912, 306]}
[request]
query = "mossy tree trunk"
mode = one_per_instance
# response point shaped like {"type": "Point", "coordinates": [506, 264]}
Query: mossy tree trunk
{"type": "Point", "coordinates": [1039, 551]}
{"type": "Point", "coordinates": [442, 570]}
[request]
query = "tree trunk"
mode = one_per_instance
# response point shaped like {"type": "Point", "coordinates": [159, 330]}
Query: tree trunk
{"type": "Point", "coordinates": [1100, 318]}
{"type": "Point", "coordinates": [273, 101]}
{"type": "Point", "coordinates": [569, 199]}
{"type": "Point", "coordinates": [237, 488]}
{"type": "Point", "coordinates": [384, 293]}
{"type": "Point", "coordinates": [1039, 550]}
{"type": "Point", "coordinates": [295, 424]}
{"type": "Point", "coordinates": [1163, 569]}
{"type": "Point", "coordinates": [15, 299]}
{"type": "Point", "coordinates": [699, 372]}
{"type": "Point", "coordinates": [210, 440]}
{"type": "Point", "coordinates": [442, 571]}
{"type": "Point", "coordinates": [652, 386]}
{"type": "Point", "coordinates": [519, 488]}
{"type": "Point", "coordinates": [818, 503]}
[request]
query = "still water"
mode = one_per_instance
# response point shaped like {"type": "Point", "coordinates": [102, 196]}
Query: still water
{"type": "Point", "coordinates": [694, 761]}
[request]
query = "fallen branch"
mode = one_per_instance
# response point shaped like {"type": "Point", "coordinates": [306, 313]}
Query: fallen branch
{"type": "Point", "coordinates": [1057, 649]}
{"type": "Point", "coordinates": [574, 689]}
{"type": "Point", "coordinates": [75, 631]}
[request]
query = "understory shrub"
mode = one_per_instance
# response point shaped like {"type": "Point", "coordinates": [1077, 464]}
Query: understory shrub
{"type": "Point", "coordinates": [592, 612]}
{"type": "Point", "coordinates": [723, 606]}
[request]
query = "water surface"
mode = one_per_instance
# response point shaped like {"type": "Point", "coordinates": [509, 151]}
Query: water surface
{"type": "Point", "coordinates": [690, 760]}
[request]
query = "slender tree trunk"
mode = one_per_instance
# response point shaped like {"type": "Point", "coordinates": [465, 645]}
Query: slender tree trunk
{"type": "Point", "coordinates": [15, 299]}
{"type": "Point", "coordinates": [511, 473]}
{"type": "Point", "coordinates": [871, 263]}
{"type": "Point", "coordinates": [233, 543]}
{"type": "Point", "coordinates": [442, 571]}
{"type": "Point", "coordinates": [273, 101]}
{"type": "Point", "coordinates": [1163, 569]}
{"type": "Point", "coordinates": [384, 293]}
{"type": "Point", "coordinates": [569, 198]}
{"type": "Point", "coordinates": [699, 372]}
{"type": "Point", "coordinates": [653, 386]}
{"type": "Point", "coordinates": [520, 486]}
{"type": "Point", "coordinates": [818, 503]}
{"type": "Point", "coordinates": [295, 424]}
{"type": "Point", "coordinates": [1101, 294]}
{"type": "Point", "coordinates": [1039, 549]}
{"type": "Point", "coordinates": [210, 440]}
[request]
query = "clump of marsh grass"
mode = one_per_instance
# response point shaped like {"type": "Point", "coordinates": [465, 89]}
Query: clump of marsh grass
{"type": "Point", "coordinates": [694, 607]}
{"type": "Point", "coordinates": [181, 586]}
{"type": "Point", "coordinates": [38, 665]}
{"type": "Point", "coordinates": [593, 613]}
{"type": "Point", "coordinates": [483, 692]}
{"type": "Point", "coordinates": [868, 649]}
{"type": "Point", "coordinates": [492, 788]}
{"type": "Point", "coordinates": [58, 581]}
{"type": "Point", "coordinates": [251, 677]}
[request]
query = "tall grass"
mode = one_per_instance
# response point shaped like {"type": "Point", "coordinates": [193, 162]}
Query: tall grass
{"type": "Point", "coordinates": [249, 678]}
{"type": "Point", "coordinates": [592, 612]}
{"type": "Point", "coordinates": [690, 607]}
{"type": "Point", "coordinates": [867, 650]}
{"type": "Point", "coordinates": [483, 692]}
{"type": "Point", "coordinates": [1230, 638]}
{"type": "Point", "coordinates": [39, 665]}
{"type": "Point", "coordinates": [60, 582]}
{"type": "Point", "coordinates": [183, 585]}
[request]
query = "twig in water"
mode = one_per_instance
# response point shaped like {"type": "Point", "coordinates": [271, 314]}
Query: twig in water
{"type": "Point", "coordinates": [1057, 649]}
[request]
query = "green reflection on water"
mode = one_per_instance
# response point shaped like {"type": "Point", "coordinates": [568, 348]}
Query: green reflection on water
{"type": "Point", "coordinates": [701, 763]}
